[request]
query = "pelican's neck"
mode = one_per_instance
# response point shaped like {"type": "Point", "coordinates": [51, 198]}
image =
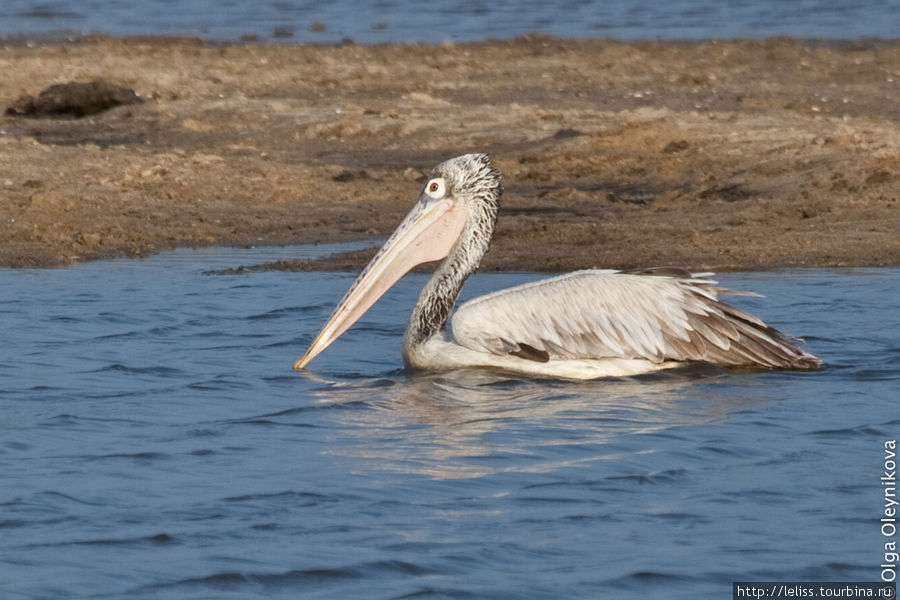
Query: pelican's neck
{"type": "Point", "coordinates": [435, 303]}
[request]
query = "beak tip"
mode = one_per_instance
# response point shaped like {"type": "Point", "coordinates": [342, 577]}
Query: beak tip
{"type": "Point", "coordinates": [310, 354]}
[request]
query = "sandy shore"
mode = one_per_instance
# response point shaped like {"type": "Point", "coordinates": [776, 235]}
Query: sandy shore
{"type": "Point", "coordinates": [721, 155]}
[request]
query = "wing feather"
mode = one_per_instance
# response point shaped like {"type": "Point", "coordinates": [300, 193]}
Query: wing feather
{"type": "Point", "coordinates": [653, 315]}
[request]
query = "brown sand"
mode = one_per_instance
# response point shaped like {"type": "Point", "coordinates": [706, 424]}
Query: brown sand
{"type": "Point", "coordinates": [723, 155]}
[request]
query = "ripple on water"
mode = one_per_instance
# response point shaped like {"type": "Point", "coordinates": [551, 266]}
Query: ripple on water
{"type": "Point", "coordinates": [156, 370]}
{"type": "Point", "coordinates": [289, 497]}
{"type": "Point", "coordinates": [296, 579]}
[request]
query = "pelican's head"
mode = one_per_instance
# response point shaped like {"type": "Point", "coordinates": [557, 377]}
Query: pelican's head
{"type": "Point", "coordinates": [461, 195]}
{"type": "Point", "coordinates": [469, 179]}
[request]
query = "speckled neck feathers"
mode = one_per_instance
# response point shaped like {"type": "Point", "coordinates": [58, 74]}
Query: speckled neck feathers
{"type": "Point", "coordinates": [473, 181]}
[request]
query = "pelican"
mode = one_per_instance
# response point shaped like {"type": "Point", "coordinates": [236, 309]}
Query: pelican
{"type": "Point", "coordinates": [582, 325]}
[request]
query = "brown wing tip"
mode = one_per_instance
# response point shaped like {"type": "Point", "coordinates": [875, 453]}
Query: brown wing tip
{"type": "Point", "coordinates": [529, 352]}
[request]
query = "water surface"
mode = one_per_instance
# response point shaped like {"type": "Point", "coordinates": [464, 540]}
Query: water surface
{"type": "Point", "coordinates": [456, 20]}
{"type": "Point", "coordinates": [155, 443]}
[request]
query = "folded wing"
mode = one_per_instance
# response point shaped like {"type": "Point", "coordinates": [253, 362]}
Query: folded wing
{"type": "Point", "coordinates": [663, 316]}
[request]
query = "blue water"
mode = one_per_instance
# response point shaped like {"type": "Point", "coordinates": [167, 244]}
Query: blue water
{"type": "Point", "coordinates": [155, 443]}
{"type": "Point", "coordinates": [455, 20]}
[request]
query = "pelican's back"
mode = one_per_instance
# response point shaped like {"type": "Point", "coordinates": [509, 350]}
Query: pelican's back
{"type": "Point", "coordinates": [610, 314]}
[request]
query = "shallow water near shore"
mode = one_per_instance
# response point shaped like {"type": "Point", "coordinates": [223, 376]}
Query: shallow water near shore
{"type": "Point", "coordinates": [156, 443]}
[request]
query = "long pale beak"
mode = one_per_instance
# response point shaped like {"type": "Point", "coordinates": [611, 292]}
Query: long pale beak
{"type": "Point", "coordinates": [427, 233]}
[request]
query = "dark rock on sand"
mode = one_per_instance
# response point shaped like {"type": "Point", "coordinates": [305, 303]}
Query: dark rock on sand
{"type": "Point", "coordinates": [73, 100]}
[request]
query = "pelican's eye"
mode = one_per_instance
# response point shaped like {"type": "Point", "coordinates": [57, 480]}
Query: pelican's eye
{"type": "Point", "coordinates": [435, 188]}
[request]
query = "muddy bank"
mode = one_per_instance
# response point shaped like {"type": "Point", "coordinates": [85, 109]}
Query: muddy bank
{"type": "Point", "coordinates": [722, 155]}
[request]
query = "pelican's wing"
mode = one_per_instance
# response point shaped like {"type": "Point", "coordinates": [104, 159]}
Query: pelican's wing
{"type": "Point", "coordinates": [663, 316]}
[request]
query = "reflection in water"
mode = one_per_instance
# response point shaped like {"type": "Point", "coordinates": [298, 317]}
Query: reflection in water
{"type": "Point", "coordinates": [447, 419]}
